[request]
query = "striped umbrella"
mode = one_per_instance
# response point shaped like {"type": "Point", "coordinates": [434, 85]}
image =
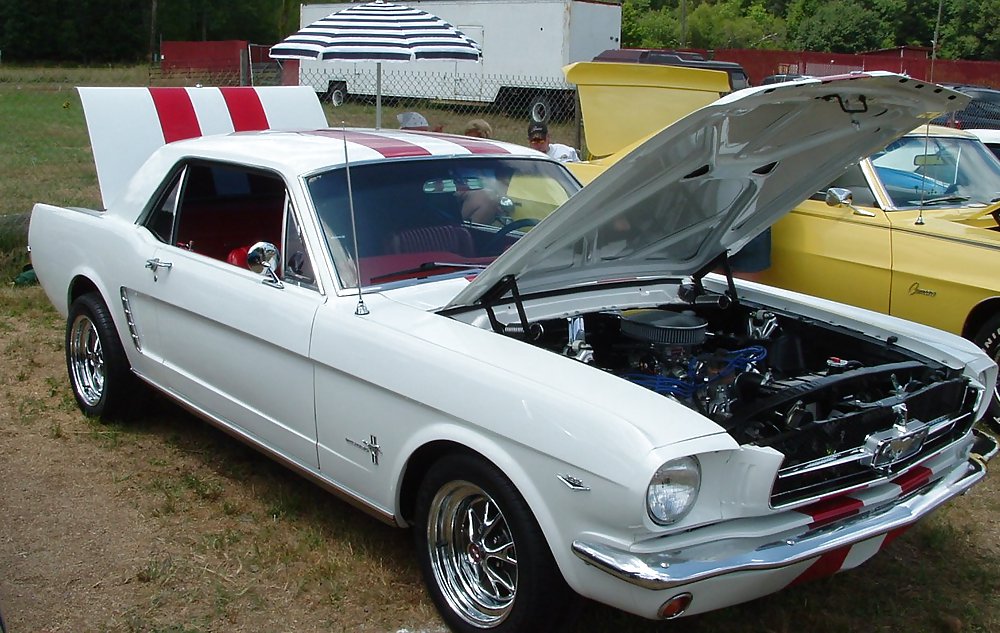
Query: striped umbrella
{"type": "Point", "coordinates": [379, 31]}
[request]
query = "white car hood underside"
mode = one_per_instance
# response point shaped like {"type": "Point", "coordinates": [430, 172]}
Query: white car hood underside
{"type": "Point", "coordinates": [713, 180]}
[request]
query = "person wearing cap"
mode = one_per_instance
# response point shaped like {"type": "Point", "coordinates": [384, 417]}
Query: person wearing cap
{"type": "Point", "coordinates": [479, 128]}
{"type": "Point", "coordinates": [538, 138]}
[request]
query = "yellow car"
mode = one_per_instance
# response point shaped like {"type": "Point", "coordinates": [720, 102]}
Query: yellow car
{"type": "Point", "coordinates": [910, 231]}
{"type": "Point", "coordinates": [919, 240]}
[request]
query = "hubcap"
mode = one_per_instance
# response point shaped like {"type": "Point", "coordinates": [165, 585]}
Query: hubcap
{"type": "Point", "coordinates": [86, 361]}
{"type": "Point", "coordinates": [472, 554]}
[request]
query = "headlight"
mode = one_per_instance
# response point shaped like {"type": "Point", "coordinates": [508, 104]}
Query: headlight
{"type": "Point", "coordinates": [673, 490]}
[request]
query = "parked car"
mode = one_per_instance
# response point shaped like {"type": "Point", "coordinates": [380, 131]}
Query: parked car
{"type": "Point", "coordinates": [990, 138]}
{"type": "Point", "coordinates": [589, 410]}
{"type": "Point", "coordinates": [738, 78]}
{"type": "Point", "coordinates": [776, 79]}
{"type": "Point", "coordinates": [983, 111]}
{"type": "Point", "coordinates": [915, 241]}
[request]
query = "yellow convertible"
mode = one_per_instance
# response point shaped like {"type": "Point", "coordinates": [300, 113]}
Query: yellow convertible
{"type": "Point", "coordinates": [910, 231]}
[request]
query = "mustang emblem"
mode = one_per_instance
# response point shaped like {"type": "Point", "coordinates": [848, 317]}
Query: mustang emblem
{"type": "Point", "coordinates": [904, 439]}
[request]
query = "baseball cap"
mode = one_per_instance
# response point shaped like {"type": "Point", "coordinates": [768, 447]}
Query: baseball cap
{"type": "Point", "coordinates": [537, 129]}
{"type": "Point", "coordinates": [411, 120]}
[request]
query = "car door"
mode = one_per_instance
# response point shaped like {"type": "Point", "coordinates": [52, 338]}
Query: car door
{"type": "Point", "coordinates": [837, 253]}
{"type": "Point", "coordinates": [235, 343]}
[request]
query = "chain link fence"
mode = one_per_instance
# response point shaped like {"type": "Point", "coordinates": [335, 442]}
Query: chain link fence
{"type": "Point", "coordinates": [447, 99]}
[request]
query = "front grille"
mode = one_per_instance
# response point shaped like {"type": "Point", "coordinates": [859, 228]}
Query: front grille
{"type": "Point", "coordinates": [947, 407]}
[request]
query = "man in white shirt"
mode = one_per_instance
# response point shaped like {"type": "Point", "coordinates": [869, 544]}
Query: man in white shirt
{"type": "Point", "coordinates": [538, 138]}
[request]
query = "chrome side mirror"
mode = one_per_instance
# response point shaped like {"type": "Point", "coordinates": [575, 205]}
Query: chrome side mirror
{"type": "Point", "coordinates": [262, 258]}
{"type": "Point", "coordinates": [841, 197]}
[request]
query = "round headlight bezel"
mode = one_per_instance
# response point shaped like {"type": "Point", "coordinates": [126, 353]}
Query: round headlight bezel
{"type": "Point", "coordinates": [673, 490]}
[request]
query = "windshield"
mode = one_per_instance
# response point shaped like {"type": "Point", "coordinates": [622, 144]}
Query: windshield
{"type": "Point", "coordinates": [934, 170]}
{"type": "Point", "coordinates": [423, 218]}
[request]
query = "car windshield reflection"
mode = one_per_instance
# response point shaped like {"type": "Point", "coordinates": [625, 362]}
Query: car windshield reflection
{"type": "Point", "coordinates": [917, 170]}
{"type": "Point", "coordinates": [461, 211]}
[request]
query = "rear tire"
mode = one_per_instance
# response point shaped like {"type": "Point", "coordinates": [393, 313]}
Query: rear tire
{"type": "Point", "coordinates": [988, 338]}
{"type": "Point", "coordinates": [99, 371]}
{"type": "Point", "coordinates": [484, 559]}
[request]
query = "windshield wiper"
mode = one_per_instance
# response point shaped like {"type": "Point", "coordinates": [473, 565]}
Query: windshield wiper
{"type": "Point", "coordinates": [426, 269]}
{"type": "Point", "coordinates": [944, 199]}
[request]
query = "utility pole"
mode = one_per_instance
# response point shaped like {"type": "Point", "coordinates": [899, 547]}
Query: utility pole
{"type": "Point", "coordinates": [152, 30]}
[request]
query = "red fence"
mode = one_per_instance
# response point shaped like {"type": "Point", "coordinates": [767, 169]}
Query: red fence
{"type": "Point", "coordinates": [760, 63]}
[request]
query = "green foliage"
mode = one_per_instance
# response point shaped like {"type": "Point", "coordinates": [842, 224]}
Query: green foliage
{"type": "Point", "coordinates": [121, 31]}
{"type": "Point", "coordinates": [838, 26]}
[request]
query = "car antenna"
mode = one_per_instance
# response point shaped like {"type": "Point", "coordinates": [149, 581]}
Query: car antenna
{"type": "Point", "coordinates": [927, 128]}
{"type": "Point", "coordinates": [361, 309]}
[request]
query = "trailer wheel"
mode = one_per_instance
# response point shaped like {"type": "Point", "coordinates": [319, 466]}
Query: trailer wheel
{"type": "Point", "coordinates": [540, 107]}
{"type": "Point", "coordinates": [336, 93]}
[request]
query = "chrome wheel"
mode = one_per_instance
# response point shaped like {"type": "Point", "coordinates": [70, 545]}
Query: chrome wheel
{"type": "Point", "coordinates": [86, 360]}
{"type": "Point", "coordinates": [472, 554]}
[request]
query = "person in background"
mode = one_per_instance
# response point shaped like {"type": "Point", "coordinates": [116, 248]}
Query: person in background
{"type": "Point", "coordinates": [538, 138]}
{"type": "Point", "coordinates": [478, 128]}
{"type": "Point", "coordinates": [754, 258]}
{"type": "Point", "coordinates": [416, 122]}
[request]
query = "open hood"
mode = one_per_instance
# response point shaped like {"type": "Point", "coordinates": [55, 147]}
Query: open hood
{"type": "Point", "coordinates": [624, 103]}
{"type": "Point", "coordinates": [713, 180]}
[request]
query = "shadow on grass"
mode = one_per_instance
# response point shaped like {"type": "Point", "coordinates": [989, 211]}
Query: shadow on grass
{"type": "Point", "coordinates": [933, 578]}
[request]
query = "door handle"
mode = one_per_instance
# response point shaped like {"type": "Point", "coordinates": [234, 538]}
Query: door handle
{"type": "Point", "coordinates": [155, 265]}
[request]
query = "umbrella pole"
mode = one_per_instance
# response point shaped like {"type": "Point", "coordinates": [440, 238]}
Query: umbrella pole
{"type": "Point", "coordinates": [378, 95]}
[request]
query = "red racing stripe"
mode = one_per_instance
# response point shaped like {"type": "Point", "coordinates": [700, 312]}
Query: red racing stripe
{"type": "Point", "coordinates": [893, 535]}
{"type": "Point", "coordinates": [245, 109]}
{"type": "Point", "coordinates": [178, 120]}
{"type": "Point", "coordinates": [477, 146]}
{"type": "Point", "coordinates": [829, 510]}
{"type": "Point", "coordinates": [387, 147]}
{"type": "Point", "coordinates": [914, 479]}
{"type": "Point", "coordinates": [826, 565]}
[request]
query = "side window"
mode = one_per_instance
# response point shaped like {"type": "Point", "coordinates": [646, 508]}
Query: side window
{"type": "Point", "coordinates": [220, 210]}
{"type": "Point", "coordinates": [160, 221]}
{"type": "Point", "coordinates": [296, 266]}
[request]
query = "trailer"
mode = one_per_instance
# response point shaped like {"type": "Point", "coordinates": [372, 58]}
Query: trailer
{"type": "Point", "coordinates": [526, 44]}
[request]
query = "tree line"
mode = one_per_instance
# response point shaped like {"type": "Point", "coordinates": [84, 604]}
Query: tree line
{"type": "Point", "coordinates": [129, 31]}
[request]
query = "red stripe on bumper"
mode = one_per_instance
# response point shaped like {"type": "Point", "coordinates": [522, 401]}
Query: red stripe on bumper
{"type": "Point", "coordinates": [829, 510]}
{"type": "Point", "coordinates": [893, 535]}
{"type": "Point", "coordinates": [826, 565]}
{"type": "Point", "coordinates": [916, 478]}
{"type": "Point", "coordinates": [245, 109]}
{"type": "Point", "coordinates": [178, 120]}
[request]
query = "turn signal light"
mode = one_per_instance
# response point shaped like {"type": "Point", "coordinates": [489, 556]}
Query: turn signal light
{"type": "Point", "coordinates": [675, 606]}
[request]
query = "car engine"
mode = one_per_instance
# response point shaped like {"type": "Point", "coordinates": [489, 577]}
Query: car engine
{"type": "Point", "coordinates": [808, 389]}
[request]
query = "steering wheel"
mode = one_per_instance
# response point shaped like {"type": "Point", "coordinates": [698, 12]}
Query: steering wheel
{"type": "Point", "coordinates": [496, 240]}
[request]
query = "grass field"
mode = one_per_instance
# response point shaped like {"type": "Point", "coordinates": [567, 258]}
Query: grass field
{"type": "Point", "coordinates": [168, 526]}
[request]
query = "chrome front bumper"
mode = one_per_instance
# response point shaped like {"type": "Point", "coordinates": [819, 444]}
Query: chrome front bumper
{"type": "Point", "coordinates": [674, 568]}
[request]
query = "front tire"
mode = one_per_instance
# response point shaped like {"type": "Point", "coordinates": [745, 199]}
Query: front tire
{"type": "Point", "coordinates": [988, 338]}
{"type": "Point", "coordinates": [485, 561]}
{"type": "Point", "coordinates": [99, 371]}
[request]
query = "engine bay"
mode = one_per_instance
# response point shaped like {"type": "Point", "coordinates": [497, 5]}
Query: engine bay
{"type": "Point", "coordinates": [806, 388]}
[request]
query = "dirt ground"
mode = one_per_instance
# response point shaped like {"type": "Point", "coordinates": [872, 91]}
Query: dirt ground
{"type": "Point", "coordinates": [168, 526]}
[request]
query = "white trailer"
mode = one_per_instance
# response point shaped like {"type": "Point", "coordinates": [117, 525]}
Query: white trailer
{"type": "Point", "coordinates": [525, 44]}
